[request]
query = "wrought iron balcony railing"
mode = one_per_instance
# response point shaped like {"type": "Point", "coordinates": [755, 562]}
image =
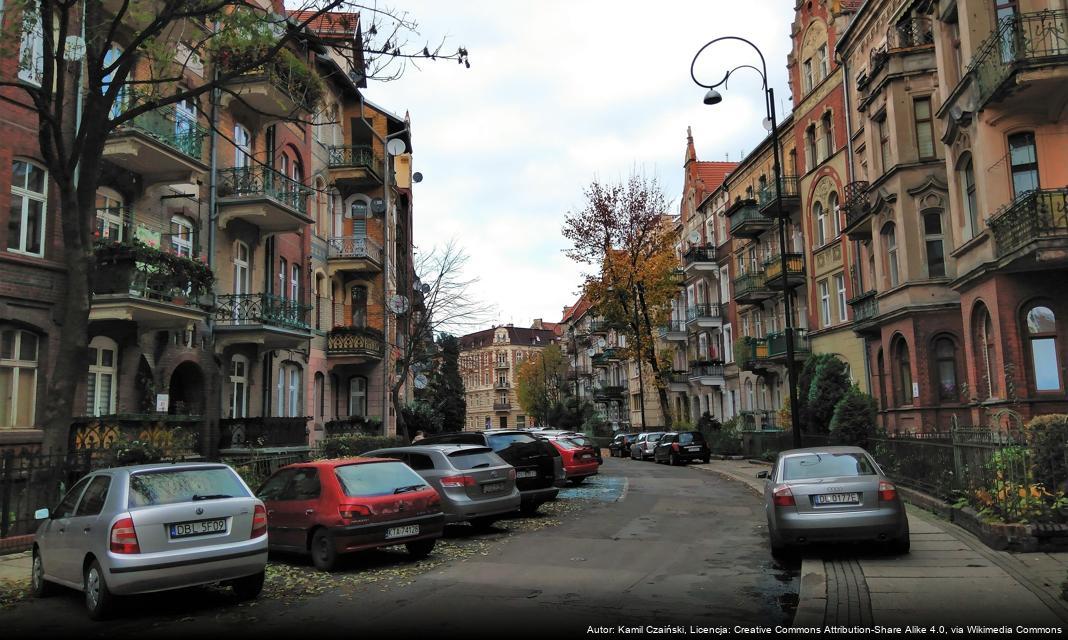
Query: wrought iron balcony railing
{"type": "Point", "coordinates": [678, 276]}
{"type": "Point", "coordinates": [702, 369]}
{"type": "Point", "coordinates": [795, 266]}
{"type": "Point", "coordinates": [789, 189]}
{"type": "Point", "coordinates": [865, 306]}
{"type": "Point", "coordinates": [502, 406]}
{"type": "Point", "coordinates": [777, 344]}
{"type": "Point", "coordinates": [748, 283]}
{"type": "Point", "coordinates": [699, 254]}
{"type": "Point", "coordinates": [354, 156]}
{"type": "Point", "coordinates": [345, 247]}
{"type": "Point", "coordinates": [261, 309]}
{"type": "Point", "coordinates": [915, 31]}
{"type": "Point", "coordinates": [362, 341]}
{"type": "Point", "coordinates": [286, 73]}
{"type": "Point", "coordinates": [261, 182]}
{"type": "Point", "coordinates": [1032, 216]}
{"type": "Point", "coordinates": [1019, 40]}
{"type": "Point", "coordinates": [176, 129]}
{"type": "Point", "coordinates": [744, 215]}
{"type": "Point", "coordinates": [855, 201]}
{"type": "Point", "coordinates": [125, 225]}
{"type": "Point", "coordinates": [679, 377]}
{"type": "Point", "coordinates": [702, 311]}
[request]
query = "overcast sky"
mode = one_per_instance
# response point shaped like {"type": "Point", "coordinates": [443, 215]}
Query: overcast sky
{"type": "Point", "coordinates": [560, 93]}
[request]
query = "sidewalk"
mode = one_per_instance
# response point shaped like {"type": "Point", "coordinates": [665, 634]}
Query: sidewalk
{"type": "Point", "coordinates": [950, 577]}
{"type": "Point", "coordinates": [15, 567]}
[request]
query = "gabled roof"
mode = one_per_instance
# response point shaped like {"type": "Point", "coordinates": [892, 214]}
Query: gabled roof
{"type": "Point", "coordinates": [712, 174]}
{"type": "Point", "coordinates": [519, 336]}
{"type": "Point", "coordinates": [335, 23]}
{"type": "Point", "coordinates": [576, 311]}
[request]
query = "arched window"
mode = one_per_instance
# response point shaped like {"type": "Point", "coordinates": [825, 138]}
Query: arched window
{"type": "Point", "coordinates": [242, 146]}
{"type": "Point", "coordinates": [828, 136]}
{"type": "Point", "coordinates": [880, 374]}
{"type": "Point", "coordinates": [358, 214]}
{"type": "Point", "coordinates": [890, 246]}
{"type": "Point", "coordinates": [902, 373]}
{"type": "Point", "coordinates": [983, 339]}
{"type": "Point", "coordinates": [971, 207]}
{"type": "Point", "coordinates": [110, 223]}
{"type": "Point", "coordinates": [29, 202]}
{"type": "Point", "coordinates": [103, 370]}
{"type": "Point", "coordinates": [318, 388]}
{"type": "Point", "coordinates": [237, 406]}
{"type": "Point", "coordinates": [358, 396]}
{"type": "Point", "coordinates": [835, 212]}
{"type": "Point", "coordinates": [820, 217]}
{"type": "Point", "coordinates": [1042, 339]}
{"type": "Point", "coordinates": [934, 244]}
{"type": "Point", "coordinates": [358, 315]}
{"type": "Point", "coordinates": [18, 377]}
{"type": "Point", "coordinates": [945, 352]}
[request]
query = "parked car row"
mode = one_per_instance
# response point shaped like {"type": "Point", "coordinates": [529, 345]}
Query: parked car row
{"type": "Point", "coordinates": [670, 447]}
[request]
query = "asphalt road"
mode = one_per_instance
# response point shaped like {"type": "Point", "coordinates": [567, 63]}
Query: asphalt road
{"type": "Point", "coordinates": [641, 544]}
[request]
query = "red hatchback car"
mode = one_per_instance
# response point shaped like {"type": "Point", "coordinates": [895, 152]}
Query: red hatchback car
{"type": "Point", "coordinates": [331, 507]}
{"type": "Point", "coordinates": [580, 461]}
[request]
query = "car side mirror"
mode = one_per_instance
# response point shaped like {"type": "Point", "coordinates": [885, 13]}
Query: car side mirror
{"type": "Point", "coordinates": [41, 514]}
{"type": "Point", "coordinates": [763, 474]}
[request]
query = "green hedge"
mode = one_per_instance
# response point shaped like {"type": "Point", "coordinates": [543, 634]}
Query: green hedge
{"type": "Point", "coordinates": [348, 446]}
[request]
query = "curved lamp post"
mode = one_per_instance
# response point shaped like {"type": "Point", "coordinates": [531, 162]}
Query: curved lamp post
{"type": "Point", "coordinates": [713, 97]}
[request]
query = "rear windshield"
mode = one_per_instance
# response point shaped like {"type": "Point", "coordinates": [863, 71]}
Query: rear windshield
{"type": "Point", "coordinates": [475, 459]}
{"type": "Point", "coordinates": [568, 443]}
{"type": "Point", "coordinates": [503, 441]}
{"type": "Point", "coordinates": [691, 438]}
{"type": "Point", "coordinates": [169, 486]}
{"type": "Point", "coordinates": [808, 466]}
{"type": "Point", "coordinates": [653, 437]}
{"type": "Point", "coordinates": [376, 478]}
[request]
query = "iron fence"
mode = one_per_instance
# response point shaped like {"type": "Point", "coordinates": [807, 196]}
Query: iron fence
{"type": "Point", "coordinates": [1020, 39]}
{"type": "Point", "coordinates": [30, 480]}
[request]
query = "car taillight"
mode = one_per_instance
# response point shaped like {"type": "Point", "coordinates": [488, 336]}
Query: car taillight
{"type": "Point", "coordinates": [887, 491]}
{"type": "Point", "coordinates": [783, 497]}
{"type": "Point", "coordinates": [511, 473]}
{"type": "Point", "coordinates": [353, 512]}
{"type": "Point", "coordinates": [458, 481]}
{"type": "Point", "coordinates": [259, 521]}
{"type": "Point", "coordinates": [124, 537]}
{"type": "Point", "coordinates": [674, 446]}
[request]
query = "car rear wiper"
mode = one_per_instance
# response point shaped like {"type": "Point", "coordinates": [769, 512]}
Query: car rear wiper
{"type": "Point", "coordinates": [411, 487]}
{"type": "Point", "coordinates": [481, 466]}
{"type": "Point", "coordinates": [215, 496]}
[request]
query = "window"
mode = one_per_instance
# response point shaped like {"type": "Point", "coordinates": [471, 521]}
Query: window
{"type": "Point", "coordinates": [294, 399]}
{"type": "Point", "coordinates": [185, 123]}
{"type": "Point", "coordinates": [902, 373]}
{"type": "Point", "coordinates": [242, 146]}
{"type": "Point", "coordinates": [31, 51]}
{"type": "Point", "coordinates": [971, 208]}
{"type": "Point", "coordinates": [840, 288]}
{"type": "Point", "coordinates": [1042, 336]}
{"type": "Point", "coordinates": [821, 224]}
{"type": "Point", "coordinates": [890, 245]}
{"type": "Point", "coordinates": [825, 304]}
{"type": "Point", "coordinates": [182, 236]}
{"type": "Point", "coordinates": [117, 107]}
{"type": "Point", "coordinates": [289, 390]}
{"type": "Point", "coordinates": [810, 148]}
{"type": "Point", "coordinates": [358, 213]}
{"type": "Point", "coordinates": [921, 108]}
{"type": "Point", "coordinates": [807, 79]}
{"type": "Point", "coordinates": [95, 496]}
{"type": "Point", "coordinates": [946, 365]}
{"type": "Point", "coordinates": [821, 63]}
{"type": "Point", "coordinates": [1024, 161]}
{"type": "Point", "coordinates": [18, 378]}
{"type": "Point", "coordinates": [241, 270]}
{"type": "Point", "coordinates": [884, 143]}
{"type": "Point", "coordinates": [932, 238]}
{"type": "Point", "coordinates": [359, 307]}
{"type": "Point", "coordinates": [26, 221]}
{"type": "Point", "coordinates": [109, 215]}
{"type": "Point", "coordinates": [238, 401]}
{"type": "Point", "coordinates": [828, 136]}
{"type": "Point", "coordinates": [294, 282]}
{"type": "Point", "coordinates": [100, 386]}
{"type": "Point", "coordinates": [835, 212]}
{"type": "Point", "coordinates": [357, 396]}
{"type": "Point", "coordinates": [983, 328]}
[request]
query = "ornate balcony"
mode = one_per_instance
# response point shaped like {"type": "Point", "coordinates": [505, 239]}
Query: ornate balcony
{"type": "Point", "coordinates": [857, 210]}
{"type": "Point", "coordinates": [263, 433]}
{"type": "Point", "coordinates": [176, 434]}
{"type": "Point", "coordinates": [355, 344]}
{"type": "Point", "coordinates": [678, 276]}
{"type": "Point", "coordinates": [746, 219]}
{"type": "Point", "coordinates": [1032, 232]}
{"type": "Point", "coordinates": [353, 254]}
{"type": "Point", "coordinates": [752, 354]}
{"type": "Point", "coordinates": [355, 168]}
{"type": "Point", "coordinates": [751, 288]}
{"type": "Point", "coordinates": [261, 318]}
{"type": "Point", "coordinates": [679, 381]}
{"type": "Point", "coordinates": [705, 315]}
{"type": "Point", "coordinates": [599, 327]}
{"type": "Point", "coordinates": [502, 406]}
{"type": "Point", "coordinates": [795, 271]}
{"type": "Point", "coordinates": [282, 89]}
{"type": "Point", "coordinates": [1023, 60]}
{"type": "Point", "coordinates": [501, 364]}
{"type": "Point", "coordinates": [915, 31]}
{"type": "Point", "coordinates": [789, 194]}
{"type": "Point", "coordinates": [708, 373]}
{"type": "Point", "coordinates": [502, 386]}
{"type": "Point", "coordinates": [777, 345]}
{"type": "Point", "coordinates": [700, 259]}
{"type": "Point", "coordinates": [865, 310]}
{"type": "Point", "coordinates": [160, 145]}
{"type": "Point", "coordinates": [263, 197]}
{"type": "Point", "coordinates": [602, 393]}
{"type": "Point", "coordinates": [674, 330]}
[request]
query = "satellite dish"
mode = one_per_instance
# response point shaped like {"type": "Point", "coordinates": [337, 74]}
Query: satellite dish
{"type": "Point", "coordinates": [396, 146]}
{"type": "Point", "coordinates": [425, 288]}
{"type": "Point", "coordinates": [591, 352]}
{"type": "Point", "coordinates": [417, 177]}
{"type": "Point", "coordinates": [398, 304]}
{"type": "Point", "coordinates": [602, 343]}
{"type": "Point", "coordinates": [378, 205]}
{"type": "Point", "coordinates": [420, 381]}
{"type": "Point", "coordinates": [695, 237]}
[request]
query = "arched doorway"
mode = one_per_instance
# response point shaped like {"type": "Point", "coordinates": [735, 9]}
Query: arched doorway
{"type": "Point", "coordinates": [186, 390]}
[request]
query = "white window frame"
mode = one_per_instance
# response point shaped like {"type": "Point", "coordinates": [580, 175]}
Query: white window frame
{"type": "Point", "coordinates": [238, 400]}
{"type": "Point", "coordinates": [182, 236]}
{"type": "Point", "coordinates": [821, 224]}
{"type": "Point", "coordinates": [283, 273]}
{"type": "Point", "coordinates": [835, 209]}
{"type": "Point", "coordinates": [27, 196]}
{"type": "Point", "coordinates": [31, 49]}
{"type": "Point", "coordinates": [294, 397]}
{"type": "Point", "coordinates": [825, 303]}
{"type": "Point", "coordinates": [294, 281]}
{"type": "Point", "coordinates": [242, 146]}
{"type": "Point", "coordinates": [105, 214]}
{"type": "Point", "coordinates": [357, 396]}
{"type": "Point", "coordinates": [840, 287]}
{"type": "Point", "coordinates": [19, 368]}
{"type": "Point", "coordinates": [98, 372]}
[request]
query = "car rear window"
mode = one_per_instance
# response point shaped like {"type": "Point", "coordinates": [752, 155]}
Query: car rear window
{"type": "Point", "coordinates": [653, 437]}
{"type": "Point", "coordinates": [172, 486]}
{"type": "Point", "coordinates": [505, 440]}
{"type": "Point", "coordinates": [475, 459]}
{"type": "Point", "coordinates": [691, 438]}
{"type": "Point", "coordinates": [808, 466]}
{"type": "Point", "coordinates": [568, 443]}
{"type": "Point", "coordinates": [376, 478]}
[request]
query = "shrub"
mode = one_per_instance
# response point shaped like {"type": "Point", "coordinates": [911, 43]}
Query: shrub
{"type": "Point", "coordinates": [708, 423]}
{"type": "Point", "coordinates": [129, 452]}
{"type": "Point", "coordinates": [348, 446]}
{"type": "Point", "coordinates": [419, 416]}
{"type": "Point", "coordinates": [725, 441]}
{"type": "Point", "coordinates": [1048, 437]}
{"type": "Point", "coordinates": [829, 385]}
{"type": "Point", "coordinates": [854, 417]}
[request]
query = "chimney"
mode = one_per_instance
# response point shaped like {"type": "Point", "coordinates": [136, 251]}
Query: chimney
{"type": "Point", "coordinates": [537, 324]}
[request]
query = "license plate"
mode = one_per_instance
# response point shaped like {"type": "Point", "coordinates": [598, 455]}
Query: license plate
{"type": "Point", "coordinates": [198, 528]}
{"type": "Point", "coordinates": [838, 498]}
{"type": "Point", "coordinates": [526, 474]}
{"type": "Point", "coordinates": [493, 487]}
{"type": "Point", "coordinates": [693, 448]}
{"type": "Point", "coordinates": [402, 532]}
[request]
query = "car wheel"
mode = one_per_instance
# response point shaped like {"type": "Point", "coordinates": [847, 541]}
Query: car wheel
{"type": "Point", "coordinates": [483, 524]}
{"type": "Point", "coordinates": [706, 460]}
{"type": "Point", "coordinates": [249, 587]}
{"type": "Point", "coordinates": [529, 508]}
{"type": "Point", "coordinates": [40, 587]}
{"type": "Point", "coordinates": [323, 550]}
{"type": "Point", "coordinates": [420, 548]}
{"type": "Point", "coordinates": [98, 599]}
{"type": "Point", "coordinates": [900, 546]}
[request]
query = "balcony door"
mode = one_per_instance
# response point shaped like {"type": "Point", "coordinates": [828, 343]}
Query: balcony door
{"type": "Point", "coordinates": [241, 268]}
{"type": "Point", "coordinates": [238, 387]}
{"type": "Point", "coordinates": [185, 118]}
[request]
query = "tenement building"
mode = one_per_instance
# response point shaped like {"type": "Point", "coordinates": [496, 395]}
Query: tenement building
{"type": "Point", "coordinates": [489, 364]}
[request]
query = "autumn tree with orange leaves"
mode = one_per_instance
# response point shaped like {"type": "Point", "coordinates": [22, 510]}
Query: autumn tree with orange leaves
{"type": "Point", "coordinates": [625, 232]}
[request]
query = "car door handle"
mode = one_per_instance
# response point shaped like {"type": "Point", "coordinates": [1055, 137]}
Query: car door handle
{"type": "Point", "coordinates": [308, 512]}
{"type": "Point", "coordinates": [87, 530]}
{"type": "Point", "coordinates": [62, 530]}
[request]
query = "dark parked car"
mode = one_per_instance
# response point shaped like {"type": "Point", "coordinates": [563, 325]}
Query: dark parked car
{"type": "Point", "coordinates": [331, 507]}
{"type": "Point", "coordinates": [539, 471]}
{"type": "Point", "coordinates": [620, 446]}
{"type": "Point", "coordinates": [680, 447]}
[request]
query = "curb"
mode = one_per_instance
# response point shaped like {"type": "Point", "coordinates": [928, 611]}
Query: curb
{"type": "Point", "coordinates": [811, 609]}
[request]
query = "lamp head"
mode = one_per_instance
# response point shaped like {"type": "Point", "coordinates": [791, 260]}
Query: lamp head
{"type": "Point", "coordinates": [713, 97]}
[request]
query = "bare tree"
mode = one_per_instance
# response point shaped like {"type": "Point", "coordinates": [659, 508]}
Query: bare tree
{"type": "Point", "coordinates": [81, 80]}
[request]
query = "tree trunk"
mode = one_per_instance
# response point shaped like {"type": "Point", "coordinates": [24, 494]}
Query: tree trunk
{"type": "Point", "coordinates": [650, 352]}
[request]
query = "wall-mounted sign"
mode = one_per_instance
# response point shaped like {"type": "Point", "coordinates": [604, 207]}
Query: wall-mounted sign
{"type": "Point", "coordinates": [163, 402]}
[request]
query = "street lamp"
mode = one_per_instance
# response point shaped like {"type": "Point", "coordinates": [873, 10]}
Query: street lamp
{"type": "Point", "coordinates": [713, 97]}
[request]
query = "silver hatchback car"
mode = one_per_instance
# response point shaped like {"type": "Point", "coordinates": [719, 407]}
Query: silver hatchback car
{"type": "Point", "coordinates": [151, 528]}
{"type": "Point", "coordinates": [832, 494]}
{"type": "Point", "coordinates": [475, 484]}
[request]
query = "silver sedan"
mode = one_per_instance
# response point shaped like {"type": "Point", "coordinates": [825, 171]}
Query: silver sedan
{"type": "Point", "coordinates": [832, 494]}
{"type": "Point", "coordinates": [152, 528]}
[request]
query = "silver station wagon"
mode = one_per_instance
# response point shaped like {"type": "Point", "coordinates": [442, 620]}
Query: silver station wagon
{"type": "Point", "coordinates": [151, 528]}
